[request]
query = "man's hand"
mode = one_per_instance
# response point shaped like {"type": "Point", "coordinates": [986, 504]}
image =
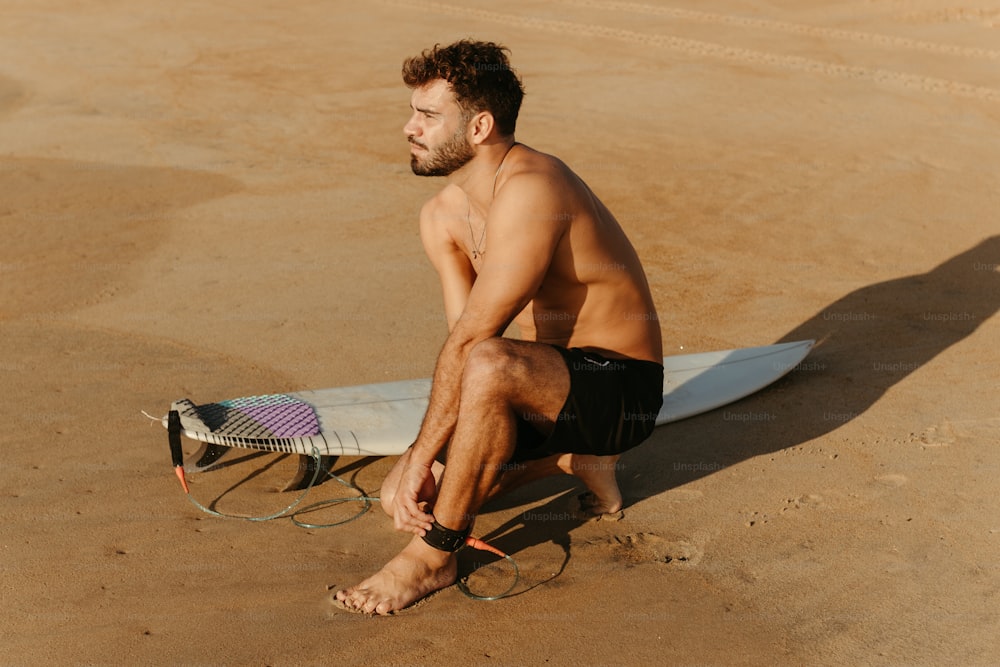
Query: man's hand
{"type": "Point", "coordinates": [416, 488]}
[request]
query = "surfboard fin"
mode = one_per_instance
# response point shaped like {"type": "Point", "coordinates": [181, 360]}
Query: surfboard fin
{"type": "Point", "coordinates": [307, 468]}
{"type": "Point", "coordinates": [208, 456]}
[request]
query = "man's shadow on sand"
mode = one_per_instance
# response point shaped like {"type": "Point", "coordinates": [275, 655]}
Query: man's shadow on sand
{"type": "Point", "coordinates": [869, 340]}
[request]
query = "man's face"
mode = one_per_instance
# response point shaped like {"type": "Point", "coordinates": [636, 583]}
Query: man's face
{"type": "Point", "coordinates": [437, 131]}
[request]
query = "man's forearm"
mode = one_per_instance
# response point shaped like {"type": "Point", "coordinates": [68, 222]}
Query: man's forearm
{"type": "Point", "coordinates": [442, 410]}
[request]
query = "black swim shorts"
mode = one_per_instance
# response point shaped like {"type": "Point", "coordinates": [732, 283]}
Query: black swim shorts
{"type": "Point", "coordinates": [611, 407]}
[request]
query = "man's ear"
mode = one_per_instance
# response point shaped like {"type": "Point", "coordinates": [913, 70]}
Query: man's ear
{"type": "Point", "coordinates": [482, 127]}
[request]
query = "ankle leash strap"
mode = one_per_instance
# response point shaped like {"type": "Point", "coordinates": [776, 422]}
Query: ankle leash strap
{"type": "Point", "coordinates": [446, 539]}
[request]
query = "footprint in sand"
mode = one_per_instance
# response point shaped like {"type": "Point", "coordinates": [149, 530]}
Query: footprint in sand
{"type": "Point", "coordinates": [892, 480]}
{"type": "Point", "coordinates": [810, 500]}
{"type": "Point", "coordinates": [639, 548]}
{"type": "Point", "coordinates": [940, 435]}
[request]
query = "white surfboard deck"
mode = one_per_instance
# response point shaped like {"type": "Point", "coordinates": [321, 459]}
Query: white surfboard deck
{"type": "Point", "coordinates": [383, 419]}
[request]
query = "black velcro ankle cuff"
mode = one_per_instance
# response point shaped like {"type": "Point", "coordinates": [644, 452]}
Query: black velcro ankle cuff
{"type": "Point", "coordinates": [446, 539]}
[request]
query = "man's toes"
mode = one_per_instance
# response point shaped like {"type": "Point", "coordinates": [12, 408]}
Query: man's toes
{"type": "Point", "coordinates": [353, 600]}
{"type": "Point", "coordinates": [347, 596]}
{"type": "Point", "coordinates": [367, 605]}
{"type": "Point", "coordinates": [380, 606]}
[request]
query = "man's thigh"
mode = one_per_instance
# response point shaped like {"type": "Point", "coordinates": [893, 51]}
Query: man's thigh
{"type": "Point", "coordinates": [534, 376]}
{"type": "Point", "coordinates": [611, 407]}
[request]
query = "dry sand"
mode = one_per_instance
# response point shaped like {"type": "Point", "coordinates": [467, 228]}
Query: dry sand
{"type": "Point", "coordinates": [213, 200]}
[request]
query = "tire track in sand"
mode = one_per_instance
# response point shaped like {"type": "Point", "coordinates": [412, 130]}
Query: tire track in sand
{"type": "Point", "coordinates": [711, 50]}
{"type": "Point", "coordinates": [786, 27]}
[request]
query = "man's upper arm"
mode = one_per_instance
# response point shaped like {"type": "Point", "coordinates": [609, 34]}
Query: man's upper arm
{"type": "Point", "coordinates": [451, 264]}
{"type": "Point", "coordinates": [524, 227]}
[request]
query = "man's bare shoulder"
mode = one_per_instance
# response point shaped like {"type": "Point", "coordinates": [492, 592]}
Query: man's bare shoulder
{"type": "Point", "coordinates": [438, 217]}
{"type": "Point", "coordinates": [545, 184]}
{"type": "Point", "coordinates": [542, 173]}
{"type": "Point", "coordinates": [444, 204]}
{"type": "Point", "coordinates": [439, 212]}
{"type": "Point", "coordinates": [531, 162]}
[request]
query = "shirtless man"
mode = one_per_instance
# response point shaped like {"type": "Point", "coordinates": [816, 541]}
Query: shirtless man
{"type": "Point", "coordinates": [514, 236]}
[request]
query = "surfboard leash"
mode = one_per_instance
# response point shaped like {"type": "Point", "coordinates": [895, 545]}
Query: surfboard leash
{"type": "Point", "coordinates": [177, 458]}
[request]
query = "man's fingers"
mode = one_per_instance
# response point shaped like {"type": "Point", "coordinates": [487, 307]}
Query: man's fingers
{"type": "Point", "coordinates": [417, 528]}
{"type": "Point", "coordinates": [421, 521]}
{"type": "Point", "coordinates": [409, 518]}
{"type": "Point", "coordinates": [411, 506]}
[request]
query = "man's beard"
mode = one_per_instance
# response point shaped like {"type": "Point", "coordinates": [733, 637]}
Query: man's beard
{"type": "Point", "coordinates": [446, 159]}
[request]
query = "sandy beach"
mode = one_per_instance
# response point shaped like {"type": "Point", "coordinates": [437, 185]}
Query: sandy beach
{"type": "Point", "coordinates": [212, 200]}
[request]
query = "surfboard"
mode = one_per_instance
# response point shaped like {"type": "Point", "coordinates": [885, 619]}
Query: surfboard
{"type": "Point", "coordinates": [384, 419]}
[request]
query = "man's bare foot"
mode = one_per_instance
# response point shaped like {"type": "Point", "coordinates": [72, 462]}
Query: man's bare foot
{"type": "Point", "coordinates": [598, 474]}
{"type": "Point", "coordinates": [589, 508]}
{"type": "Point", "coordinates": [416, 572]}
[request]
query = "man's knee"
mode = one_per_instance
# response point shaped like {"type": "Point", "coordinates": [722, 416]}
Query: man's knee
{"type": "Point", "coordinates": [387, 499]}
{"type": "Point", "coordinates": [488, 364]}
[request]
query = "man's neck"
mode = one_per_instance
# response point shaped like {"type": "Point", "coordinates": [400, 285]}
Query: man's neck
{"type": "Point", "coordinates": [478, 178]}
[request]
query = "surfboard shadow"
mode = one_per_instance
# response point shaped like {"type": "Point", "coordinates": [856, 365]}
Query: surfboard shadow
{"type": "Point", "coordinates": [870, 340]}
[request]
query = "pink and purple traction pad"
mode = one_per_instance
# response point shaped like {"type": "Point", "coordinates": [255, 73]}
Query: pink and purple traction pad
{"type": "Point", "coordinates": [281, 415]}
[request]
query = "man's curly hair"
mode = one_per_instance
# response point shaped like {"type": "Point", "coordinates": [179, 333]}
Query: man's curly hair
{"type": "Point", "coordinates": [480, 76]}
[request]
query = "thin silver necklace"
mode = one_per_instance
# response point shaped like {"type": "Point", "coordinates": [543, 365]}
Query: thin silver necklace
{"type": "Point", "coordinates": [476, 252]}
